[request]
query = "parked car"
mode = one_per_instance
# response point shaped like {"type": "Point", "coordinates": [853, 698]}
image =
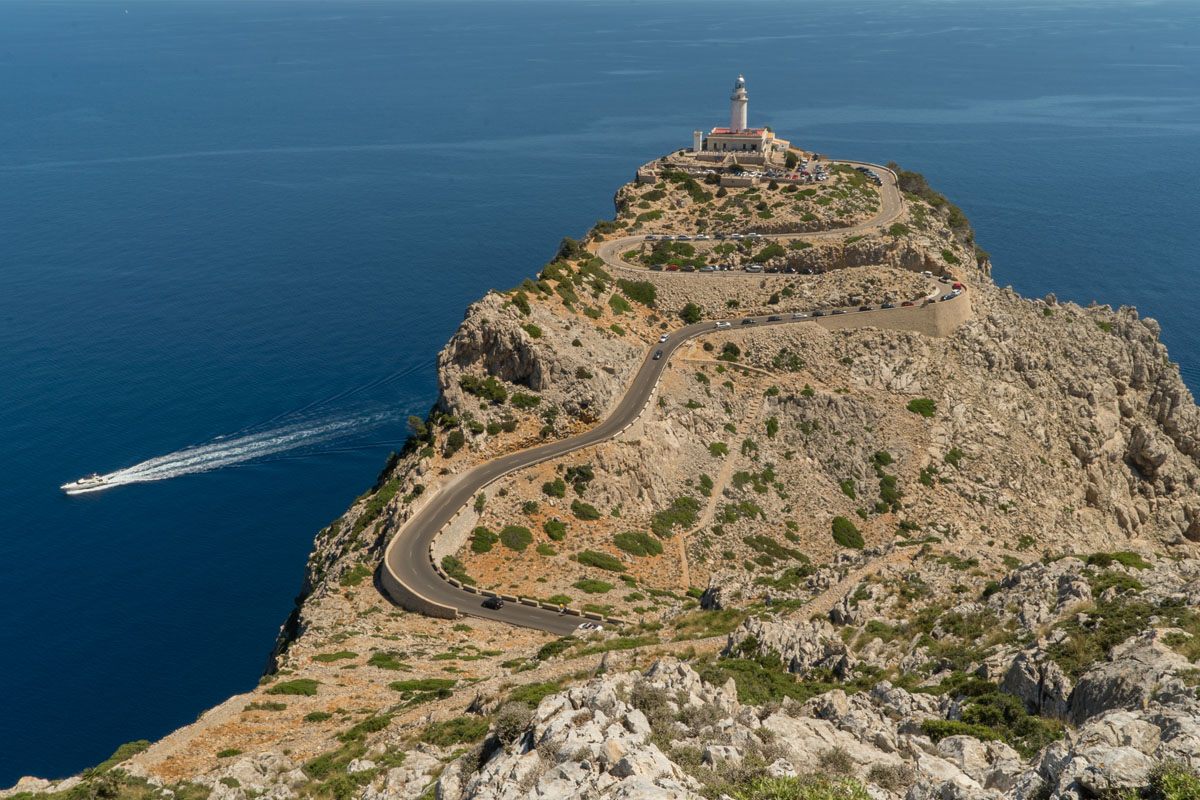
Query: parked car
{"type": "Point", "coordinates": [749, 321]}
{"type": "Point", "coordinates": [657, 355]}
{"type": "Point", "coordinates": [798, 315]}
{"type": "Point", "coordinates": [818, 313]}
{"type": "Point", "coordinates": [683, 237]}
{"type": "Point", "coordinates": [839, 311]}
{"type": "Point", "coordinates": [865, 308]}
{"type": "Point", "coordinates": [927, 274]}
{"type": "Point", "coordinates": [706, 269]}
{"type": "Point", "coordinates": [664, 337]}
{"type": "Point", "coordinates": [907, 303]}
{"type": "Point", "coordinates": [959, 286]}
{"type": "Point", "coordinates": [720, 236]}
{"type": "Point", "coordinates": [947, 297]}
{"type": "Point", "coordinates": [672, 268]}
{"type": "Point", "coordinates": [754, 268]}
{"type": "Point", "coordinates": [687, 268]}
{"type": "Point", "coordinates": [494, 603]}
{"type": "Point", "coordinates": [590, 626]}
{"type": "Point", "coordinates": [774, 318]}
{"type": "Point", "coordinates": [656, 267]}
{"type": "Point", "coordinates": [702, 238]}
{"type": "Point", "coordinates": [722, 324]}
{"type": "Point", "coordinates": [887, 305]}
{"type": "Point", "coordinates": [651, 238]}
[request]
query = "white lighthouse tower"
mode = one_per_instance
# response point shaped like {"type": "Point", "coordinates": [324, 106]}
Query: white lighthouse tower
{"type": "Point", "coordinates": [737, 106]}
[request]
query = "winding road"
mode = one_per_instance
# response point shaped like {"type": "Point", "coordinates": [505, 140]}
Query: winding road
{"type": "Point", "coordinates": [407, 558]}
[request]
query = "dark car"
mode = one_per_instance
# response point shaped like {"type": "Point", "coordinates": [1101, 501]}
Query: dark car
{"type": "Point", "coordinates": [748, 321]}
{"type": "Point", "coordinates": [656, 267]}
{"type": "Point", "coordinates": [657, 355]}
{"type": "Point", "coordinates": [720, 236]}
{"type": "Point", "coordinates": [887, 305]}
{"type": "Point", "coordinates": [687, 268]}
{"type": "Point", "coordinates": [865, 308]}
{"type": "Point", "coordinates": [494, 603]}
{"type": "Point", "coordinates": [947, 297]}
{"type": "Point", "coordinates": [818, 313]}
{"type": "Point", "coordinates": [774, 318]}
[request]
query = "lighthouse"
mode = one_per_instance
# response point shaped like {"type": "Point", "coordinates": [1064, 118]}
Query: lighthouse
{"type": "Point", "coordinates": [737, 106]}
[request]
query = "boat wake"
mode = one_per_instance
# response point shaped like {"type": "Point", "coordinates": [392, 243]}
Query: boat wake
{"type": "Point", "coordinates": [333, 424]}
{"type": "Point", "coordinates": [227, 451]}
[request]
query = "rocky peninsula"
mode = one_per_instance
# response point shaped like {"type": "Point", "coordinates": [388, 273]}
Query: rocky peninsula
{"type": "Point", "coordinates": [949, 552]}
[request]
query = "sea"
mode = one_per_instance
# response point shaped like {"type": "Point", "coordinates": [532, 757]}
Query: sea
{"type": "Point", "coordinates": [234, 236]}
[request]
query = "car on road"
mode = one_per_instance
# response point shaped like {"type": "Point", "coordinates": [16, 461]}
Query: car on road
{"type": "Point", "coordinates": [947, 297]}
{"type": "Point", "coordinates": [839, 311]}
{"type": "Point", "coordinates": [907, 303]}
{"type": "Point", "coordinates": [754, 268]}
{"type": "Point", "coordinates": [702, 238]}
{"type": "Point", "coordinates": [736, 236]}
{"type": "Point", "coordinates": [590, 626]}
{"type": "Point", "coordinates": [865, 308]}
{"type": "Point", "coordinates": [774, 318]}
{"type": "Point", "coordinates": [656, 267]}
{"type": "Point", "coordinates": [651, 238]}
{"type": "Point", "coordinates": [706, 269]}
{"type": "Point", "coordinates": [683, 237]}
{"type": "Point", "coordinates": [818, 313]}
{"type": "Point", "coordinates": [687, 268]}
{"type": "Point", "coordinates": [720, 236]}
{"type": "Point", "coordinates": [753, 235]}
{"type": "Point", "coordinates": [888, 305]}
{"type": "Point", "coordinates": [672, 268]}
{"type": "Point", "coordinates": [722, 324]}
{"type": "Point", "coordinates": [749, 321]}
{"type": "Point", "coordinates": [943, 280]}
{"type": "Point", "coordinates": [799, 315]}
{"type": "Point", "coordinates": [494, 603]}
{"type": "Point", "coordinates": [927, 274]}
{"type": "Point", "coordinates": [664, 337]}
{"type": "Point", "coordinates": [958, 286]}
{"type": "Point", "coordinates": [956, 292]}
{"type": "Point", "coordinates": [657, 355]}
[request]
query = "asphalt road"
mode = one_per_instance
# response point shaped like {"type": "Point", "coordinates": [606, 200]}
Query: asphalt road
{"type": "Point", "coordinates": [407, 556]}
{"type": "Point", "coordinates": [891, 206]}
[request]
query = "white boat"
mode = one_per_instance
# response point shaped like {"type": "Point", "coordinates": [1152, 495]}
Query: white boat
{"type": "Point", "coordinates": [86, 483]}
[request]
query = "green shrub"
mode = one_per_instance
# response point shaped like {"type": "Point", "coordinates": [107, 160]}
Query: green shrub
{"type": "Point", "coordinates": [555, 488]}
{"type": "Point", "coordinates": [555, 529]}
{"type": "Point", "coordinates": [1124, 557]}
{"type": "Point", "coordinates": [593, 586]}
{"type": "Point", "coordinates": [590, 558]}
{"type": "Point", "coordinates": [384, 660]}
{"type": "Point", "coordinates": [524, 401]}
{"type": "Point", "coordinates": [584, 510]}
{"type": "Point", "coordinates": [482, 539]}
{"type": "Point", "coordinates": [326, 658]}
{"type": "Point", "coordinates": [544, 549]}
{"type": "Point", "coordinates": [122, 753]}
{"type": "Point", "coordinates": [691, 313]}
{"type": "Point", "coordinates": [638, 543]}
{"type": "Point", "coordinates": [618, 304]}
{"type": "Point", "coordinates": [516, 537]}
{"type": "Point", "coordinates": [729, 352]}
{"type": "Point", "coordinates": [317, 716]}
{"type": "Point", "coordinates": [938, 729]}
{"type": "Point", "coordinates": [355, 575]}
{"type": "Point", "coordinates": [457, 570]}
{"type": "Point", "coordinates": [423, 685]}
{"type": "Point", "coordinates": [846, 534]}
{"type": "Point", "coordinates": [299, 686]}
{"type": "Point", "coordinates": [642, 292]}
{"type": "Point", "coordinates": [229, 752]}
{"type": "Point", "coordinates": [923, 406]}
{"type": "Point", "coordinates": [533, 330]}
{"type": "Point", "coordinates": [529, 507]}
{"type": "Point", "coordinates": [488, 389]}
{"type": "Point", "coordinates": [718, 449]}
{"type": "Point", "coordinates": [1173, 780]}
{"type": "Point", "coordinates": [459, 730]}
{"type": "Point", "coordinates": [898, 229]}
{"type": "Point", "coordinates": [682, 512]}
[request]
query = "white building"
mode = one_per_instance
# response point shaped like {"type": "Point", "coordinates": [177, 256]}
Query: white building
{"type": "Point", "coordinates": [739, 137]}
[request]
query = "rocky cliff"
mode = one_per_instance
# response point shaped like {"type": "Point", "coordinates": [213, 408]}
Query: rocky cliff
{"type": "Point", "coordinates": [858, 562]}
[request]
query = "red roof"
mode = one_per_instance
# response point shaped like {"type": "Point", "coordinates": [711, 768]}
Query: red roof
{"type": "Point", "coordinates": [731, 132]}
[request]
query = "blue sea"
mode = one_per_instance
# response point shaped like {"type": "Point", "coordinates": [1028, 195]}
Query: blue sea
{"type": "Point", "coordinates": [233, 236]}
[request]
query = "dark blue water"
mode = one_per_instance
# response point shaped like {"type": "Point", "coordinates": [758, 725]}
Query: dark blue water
{"type": "Point", "coordinates": [224, 219]}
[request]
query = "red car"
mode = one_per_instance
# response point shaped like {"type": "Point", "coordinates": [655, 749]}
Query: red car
{"type": "Point", "coordinates": [959, 286]}
{"type": "Point", "coordinates": [907, 303]}
{"type": "Point", "coordinates": [672, 268]}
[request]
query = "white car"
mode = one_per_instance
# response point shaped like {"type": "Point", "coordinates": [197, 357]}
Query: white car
{"type": "Point", "coordinates": [590, 626]}
{"type": "Point", "coordinates": [722, 324]}
{"type": "Point", "coordinates": [799, 316]}
{"type": "Point", "coordinates": [664, 337]}
{"type": "Point", "coordinates": [702, 238]}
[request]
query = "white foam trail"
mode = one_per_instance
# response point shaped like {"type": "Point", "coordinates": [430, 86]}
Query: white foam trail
{"type": "Point", "coordinates": [226, 452]}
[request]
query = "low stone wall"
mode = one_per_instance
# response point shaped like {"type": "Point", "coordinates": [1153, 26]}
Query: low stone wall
{"type": "Point", "coordinates": [454, 536]}
{"type": "Point", "coordinates": [935, 320]}
{"type": "Point", "coordinates": [409, 600]}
